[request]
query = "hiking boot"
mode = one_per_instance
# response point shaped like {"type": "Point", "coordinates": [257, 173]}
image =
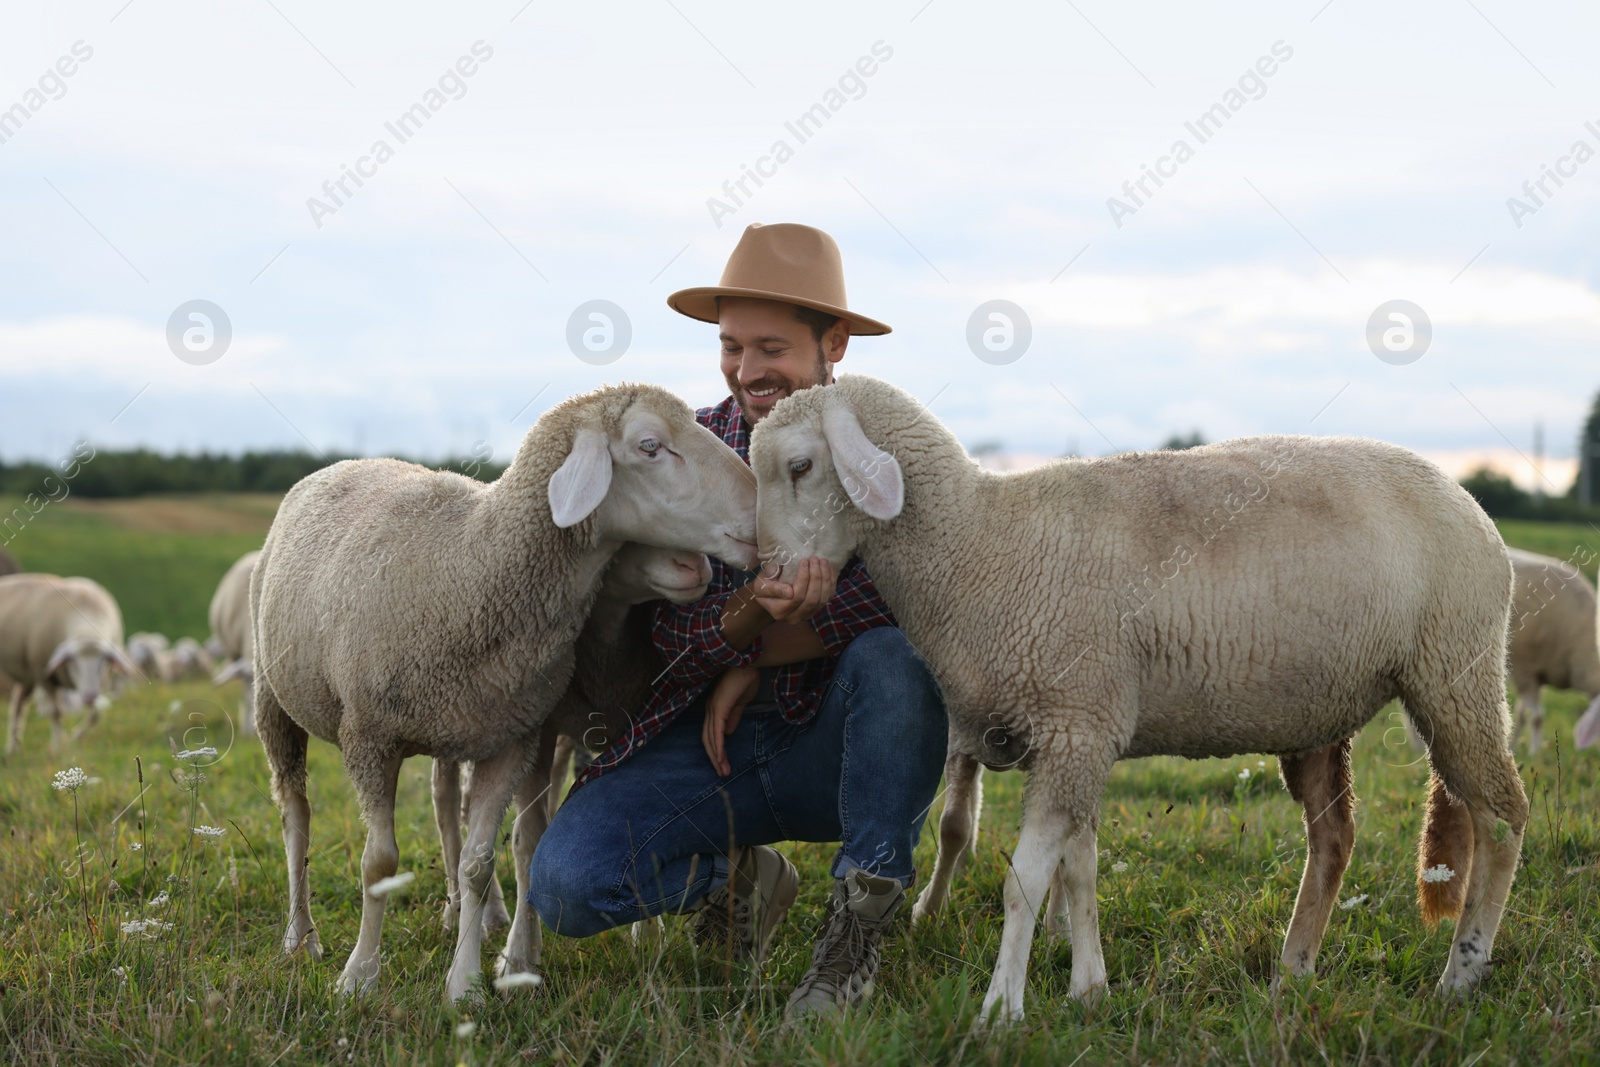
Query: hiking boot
{"type": "Point", "coordinates": [739, 917]}
{"type": "Point", "coordinates": [844, 962]}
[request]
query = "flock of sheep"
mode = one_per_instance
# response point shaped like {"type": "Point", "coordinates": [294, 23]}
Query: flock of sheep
{"type": "Point", "coordinates": [1262, 595]}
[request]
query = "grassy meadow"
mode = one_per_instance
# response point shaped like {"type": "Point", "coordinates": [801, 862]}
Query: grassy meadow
{"type": "Point", "coordinates": [1200, 864]}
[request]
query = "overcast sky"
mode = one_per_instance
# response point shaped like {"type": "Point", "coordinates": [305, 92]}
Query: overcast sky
{"type": "Point", "coordinates": [427, 309]}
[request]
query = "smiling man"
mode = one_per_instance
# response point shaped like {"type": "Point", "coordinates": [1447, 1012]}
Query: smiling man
{"type": "Point", "coordinates": [785, 712]}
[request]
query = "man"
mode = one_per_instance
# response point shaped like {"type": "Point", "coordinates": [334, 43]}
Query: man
{"type": "Point", "coordinates": [785, 712]}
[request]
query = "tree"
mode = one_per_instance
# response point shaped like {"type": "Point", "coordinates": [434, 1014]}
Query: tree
{"type": "Point", "coordinates": [1589, 457]}
{"type": "Point", "coordinates": [1177, 442]}
{"type": "Point", "coordinates": [1497, 494]}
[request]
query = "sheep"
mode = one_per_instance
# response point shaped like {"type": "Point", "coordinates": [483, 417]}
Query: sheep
{"type": "Point", "coordinates": [1553, 639]}
{"type": "Point", "coordinates": [1267, 594]}
{"type": "Point", "coordinates": [400, 611]}
{"type": "Point", "coordinates": [59, 637]}
{"type": "Point", "coordinates": [151, 653]}
{"type": "Point", "coordinates": [614, 663]}
{"type": "Point", "coordinates": [230, 625]}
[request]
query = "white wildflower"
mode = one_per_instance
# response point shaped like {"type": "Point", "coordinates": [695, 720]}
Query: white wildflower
{"type": "Point", "coordinates": [136, 847]}
{"type": "Point", "coordinates": [513, 981]}
{"type": "Point", "coordinates": [342, 1042]}
{"type": "Point", "coordinates": [160, 898]}
{"type": "Point", "coordinates": [70, 780]}
{"type": "Point", "coordinates": [1440, 873]}
{"type": "Point", "coordinates": [203, 752]}
{"type": "Point", "coordinates": [1353, 902]}
{"type": "Point", "coordinates": [384, 886]}
{"type": "Point", "coordinates": [174, 707]}
{"type": "Point", "coordinates": [1261, 763]}
{"type": "Point", "coordinates": [212, 832]}
{"type": "Point", "coordinates": [465, 1028]}
{"type": "Point", "coordinates": [1244, 774]}
{"type": "Point", "coordinates": [150, 927]}
{"type": "Point", "coordinates": [121, 973]}
{"type": "Point", "coordinates": [1119, 866]}
{"type": "Point", "coordinates": [102, 703]}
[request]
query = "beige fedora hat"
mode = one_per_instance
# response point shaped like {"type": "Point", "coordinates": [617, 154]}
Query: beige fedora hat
{"type": "Point", "coordinates": [782, 261]}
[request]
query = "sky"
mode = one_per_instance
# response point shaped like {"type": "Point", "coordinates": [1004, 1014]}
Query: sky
{"type": "Point", "coordinates": [1356, 153]}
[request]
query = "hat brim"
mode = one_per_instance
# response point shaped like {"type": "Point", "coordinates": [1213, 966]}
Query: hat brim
{"type": "Point", "coordinates": [701, 303]}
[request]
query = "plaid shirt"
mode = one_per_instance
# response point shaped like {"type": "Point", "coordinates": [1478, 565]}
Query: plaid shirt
{"type": "Point", "coordinates": [689, 636]}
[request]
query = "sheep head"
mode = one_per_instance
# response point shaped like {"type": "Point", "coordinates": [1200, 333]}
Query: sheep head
{"type": "Point", "coordinates": [820, 478]}
{"type": "Point", "coordinates": [647, 472]}
{"type": "Point", "coordinates": [641, 573]}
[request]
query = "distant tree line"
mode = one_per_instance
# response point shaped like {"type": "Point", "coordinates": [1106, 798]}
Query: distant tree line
{"type": "Point", "coordinates": [140, 472]}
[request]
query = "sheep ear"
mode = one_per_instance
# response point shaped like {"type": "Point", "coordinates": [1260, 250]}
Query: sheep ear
{"type": "Point", "coordinates": [1587, 731]}
{"type": "Point", "coordinates": [869, 475]}
{"type": "Point", "coordinates": [64, 651]}
{"type": "Point", "coordinates": [581, 483]}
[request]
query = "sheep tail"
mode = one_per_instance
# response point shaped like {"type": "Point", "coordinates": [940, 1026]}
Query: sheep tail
{"type": "Point", "coordinates": [1446, 840]}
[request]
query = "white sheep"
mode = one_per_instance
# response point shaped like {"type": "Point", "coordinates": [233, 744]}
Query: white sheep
{"type": "Point", "coordinates": [1553, 639]}
{"type": "Point", "coordinates": [151, 653]}
{"type": "Point", "coordinates": [1262, 595]}
{"type": "Point", "coordinates": [614, 663]}
{"type": "Point", "coordinates": [400, 611]}
{"type": "Point", "coordinates": [235, 641]}
{"type": "Point", "coordinates": [61, 638]}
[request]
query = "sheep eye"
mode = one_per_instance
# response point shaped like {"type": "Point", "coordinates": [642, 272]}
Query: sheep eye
{"type": "Point", "coordinates": [797, 467]}
{"type": "Point", "coordinates": [649, 446]}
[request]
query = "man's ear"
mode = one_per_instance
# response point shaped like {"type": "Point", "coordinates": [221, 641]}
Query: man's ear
{"type": "Point", "coordinates": [577, 488]}
{"type": "Point", "coordinates": [870, 476]}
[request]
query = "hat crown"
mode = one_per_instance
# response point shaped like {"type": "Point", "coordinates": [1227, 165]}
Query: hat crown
{"type": "Point", "coordinates": [787, 257]}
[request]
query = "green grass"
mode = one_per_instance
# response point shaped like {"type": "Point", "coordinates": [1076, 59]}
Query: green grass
{"type": "Point", "coordinates": [1191, 928]}
{"type": "Point", "coordinates": [161, 557]}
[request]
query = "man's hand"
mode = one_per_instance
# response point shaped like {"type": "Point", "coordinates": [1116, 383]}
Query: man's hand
{"type": "Point", "coordinates": [724, 707]}
{"type": "Point", "coordinates": [815, 583]}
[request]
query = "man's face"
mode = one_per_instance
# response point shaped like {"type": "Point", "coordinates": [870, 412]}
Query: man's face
{"type": "Point", "coordinates": [767, 353]}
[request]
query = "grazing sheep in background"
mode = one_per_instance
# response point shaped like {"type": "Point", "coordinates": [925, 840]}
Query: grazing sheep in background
{"type": "Point", "coordinates": [401, 611]}
{"type": "Point", "coordinates": [59, 637]}
{"type": "Point", "coordinates": [235, 640]}
{"type": "Point", "coordinates": [150, 652]}
{"type": "Point", "coordinates": [190, 660]}
{"type": "Point", "coordinates": [1261, 595]}
{"type": "Point", "coordinates": [614, 662]}
{"type": "Point", "coordinates": [1553, 639]}
{"type": "Point", "coordinates": [8, 564]}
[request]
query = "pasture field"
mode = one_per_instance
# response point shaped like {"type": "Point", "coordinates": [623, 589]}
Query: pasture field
{"type": "Point", "coordinates": [1199, 867]}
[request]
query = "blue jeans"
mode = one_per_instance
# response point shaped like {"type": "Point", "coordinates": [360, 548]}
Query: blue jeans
{"type": "Point", "coordinates": [653, 834]}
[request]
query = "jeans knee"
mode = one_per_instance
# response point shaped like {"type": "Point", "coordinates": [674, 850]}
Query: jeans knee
{"type": "Point", "coordinates": [882, 660]}
{"type": "Point", "coordinates": [565, 893]}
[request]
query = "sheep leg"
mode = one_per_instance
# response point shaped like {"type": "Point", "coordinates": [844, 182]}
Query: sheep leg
{"type": "Point", "coordinates": [1532, 703]}
{"type": "Point", "coordinates": [1047, 825]}
{"type": "Point", "coordinates": [1058, 907]}
{"type": "Point", "coordinates": [285, 744]}
{"type": "Point", "coordinates": [374, 775]}
{"type": "Point", "coordinates": [560, 765]}
{"type": "Point", "coordinates": [524, 941]}
{"type": "Point", "coordinates": [19, 700]}
{"type": "Point", "coordinates": [493, 783]}
{"type": "Point", "coordinates": [958, 830]}
{"type": "Point", "coordinates": [1073, 905]}
{"type": "Point", "coordinates": [247, 714]}
{"type": "Point", "coordinates": [1471, 758]}
{"type": "Point", "coordinates": [1320, 780]}
{"type": "Point", "coordinates": [447, 816]}
{"type": "Point", "coordinates": [50, 706]}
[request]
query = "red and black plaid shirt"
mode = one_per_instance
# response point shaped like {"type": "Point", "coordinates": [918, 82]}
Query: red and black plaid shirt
{"type": "Point", "coordinates": [690, 641]}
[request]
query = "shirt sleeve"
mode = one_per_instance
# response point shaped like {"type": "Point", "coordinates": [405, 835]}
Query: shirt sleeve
{"type": "Point", "coordinates": [690, 640]}
{"type": "Point", "coordinates": [855, 608]}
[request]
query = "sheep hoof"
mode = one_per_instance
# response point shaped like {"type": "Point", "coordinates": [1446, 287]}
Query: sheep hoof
{"type": "Point", "coordinates": [358, 977]}
{"type": "Point", "coordinates": [309, 943]}
{"type": "Point", "coordinates": [451, 915]}
{"type": "Point", "coordinates": [996, 1012]}
{"type": "Point", "coordinates": [495, 916]}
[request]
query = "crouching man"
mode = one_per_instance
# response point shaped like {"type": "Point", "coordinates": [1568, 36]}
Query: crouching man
{"type": "Point", "coordinates": [784, 712]}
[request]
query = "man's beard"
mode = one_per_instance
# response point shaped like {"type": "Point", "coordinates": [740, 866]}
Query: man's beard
{"type": "Point", "coordinates": [820, 376]}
